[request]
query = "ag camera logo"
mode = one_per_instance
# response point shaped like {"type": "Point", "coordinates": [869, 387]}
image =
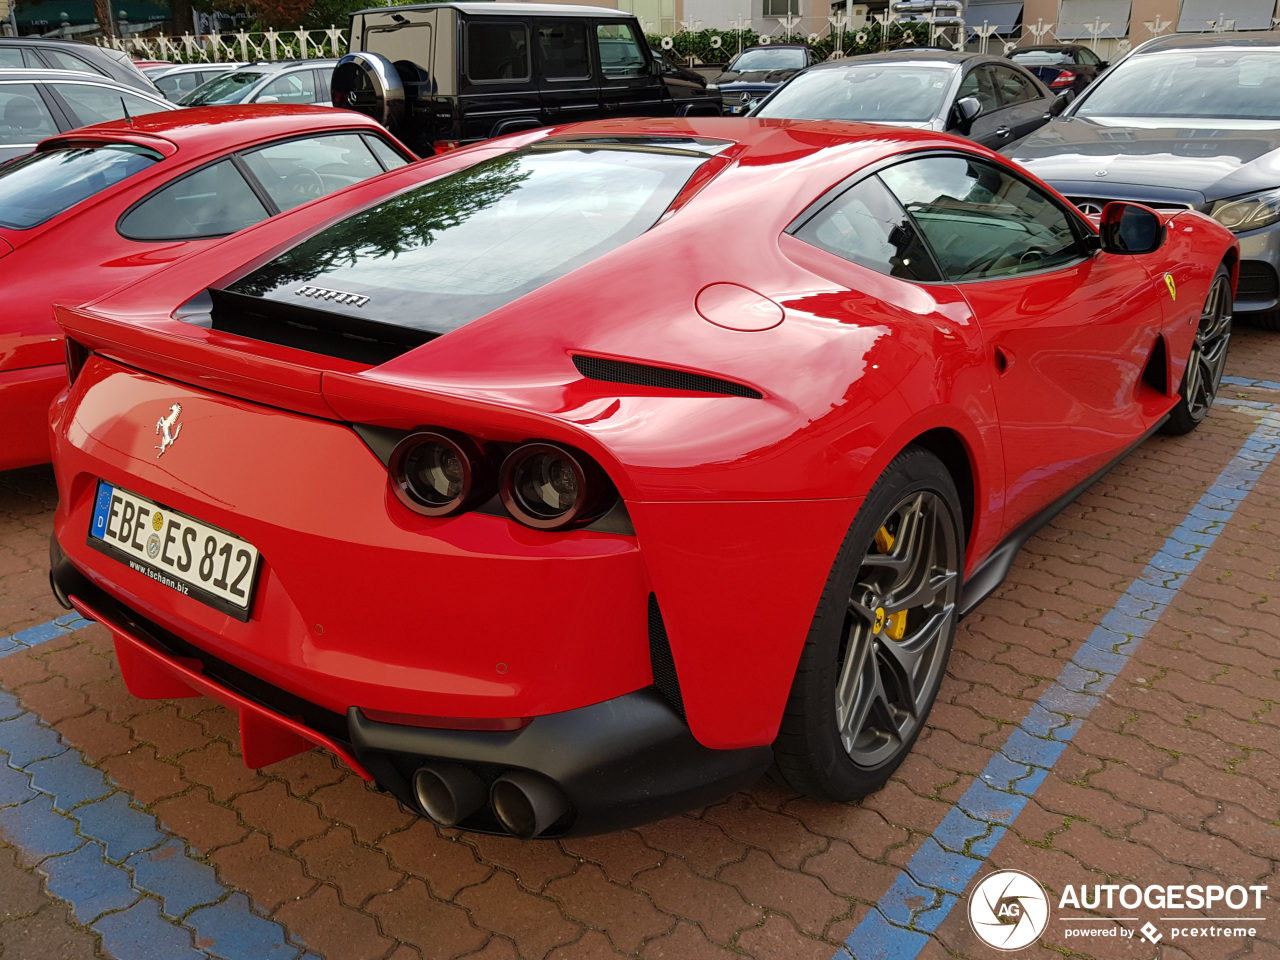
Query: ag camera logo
{"type": "Point", "coordinates": [1008, 910]}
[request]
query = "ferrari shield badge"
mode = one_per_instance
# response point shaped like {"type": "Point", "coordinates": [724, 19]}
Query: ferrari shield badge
{"type": "Point", "coordinates": [1173, 289]}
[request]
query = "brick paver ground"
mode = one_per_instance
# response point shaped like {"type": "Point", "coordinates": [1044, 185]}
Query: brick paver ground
{"type": "Point", "coordinates": [180, 851]}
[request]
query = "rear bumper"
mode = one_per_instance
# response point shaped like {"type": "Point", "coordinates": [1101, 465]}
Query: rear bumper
{"type": "Point", "coordinates": [622, 762]}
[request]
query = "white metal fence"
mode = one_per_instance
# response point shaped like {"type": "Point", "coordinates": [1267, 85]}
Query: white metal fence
{"type": "Point", "coordinates": [244, 45]}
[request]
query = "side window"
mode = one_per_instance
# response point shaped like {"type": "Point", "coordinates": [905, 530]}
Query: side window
{"type": "Point", "coordinates": [62, 60]}
{"type": "Point", "coordinates": [94, 104]}
{"type": "Point", "coordinates": [979, 221]}
{"type": "Point", "coordinates": [1012, 87]}
{"type": "Point", "coordinates": [212, 202]}
{"type": "Point", "coordinates": [562, 50]}
{"type": "Point", "coordinates": [296, 87]}
{"type": "Point", "coordinates": [1087, 57]}
{"type": "Point", "coordinates": [977, 83]}
{"type": "Point", "coordinates": [23, 116]}
{"type": "Point", "coordinates": [497, 51]}
{"type": "Point", "coordinates": [177, 84]}
{"type": "Point", "coordinates": [12, 57]}
{"type": "Point", "coordinates": [867, 226]}
{"type": "Point", "coordinates": [620, 54]}
{"type": "Point", "coordinates": [300, 170]}
{"type": "Point", "coordinates": [391, 159]}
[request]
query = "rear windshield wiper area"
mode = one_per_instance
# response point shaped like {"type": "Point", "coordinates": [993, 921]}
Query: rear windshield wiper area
{"type": "Point", "coordinates": [305, 327]}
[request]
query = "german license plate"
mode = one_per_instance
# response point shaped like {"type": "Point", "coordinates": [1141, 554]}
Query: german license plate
{"type": "Point", "coordinates": [186, 555]}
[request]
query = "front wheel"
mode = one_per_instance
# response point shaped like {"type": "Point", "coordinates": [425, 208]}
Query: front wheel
{"type": "Point", "coordinates": [1207, 360]}
{"type": "Point", "coordinates": [879, 642]}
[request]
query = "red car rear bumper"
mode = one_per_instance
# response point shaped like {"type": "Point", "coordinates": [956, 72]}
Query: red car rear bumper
{"type": "Point", "coordinates": [622, 762]}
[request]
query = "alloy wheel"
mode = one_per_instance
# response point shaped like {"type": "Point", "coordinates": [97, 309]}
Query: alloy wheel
{"type": "Point", "coordinates": [1209, 352]}
{"type": "Point", "coordinates": [899, 616]}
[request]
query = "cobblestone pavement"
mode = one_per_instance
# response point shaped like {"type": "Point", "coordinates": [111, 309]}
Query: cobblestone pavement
{"type": "Point", "coordinates": [1108, 717]}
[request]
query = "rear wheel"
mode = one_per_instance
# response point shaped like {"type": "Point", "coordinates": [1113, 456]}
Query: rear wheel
{"type": "Point", "coordinates": [879, 642]}
{"type": "Point", "coordinates": [1208, 358]}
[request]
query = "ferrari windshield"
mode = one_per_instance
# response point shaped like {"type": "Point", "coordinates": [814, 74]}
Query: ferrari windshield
{"type": "Point", "coordinates": [442, 254]}
{"type": "Point", "coordinates": [874, 92]}
{"type": "Point", "coordinates": [784, 58]}
{"type": "Point", "coordinates": [228, 88]}
{"type": "Point", "coordinates": [1213, 83]}
{"type": "Point", "coordinates": [39, 186]}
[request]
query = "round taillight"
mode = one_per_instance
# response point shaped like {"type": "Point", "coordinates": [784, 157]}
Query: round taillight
{"type": "Point", "coordinates": [435, 474]}
{"type": "Point", "coordinates": [547, 487]}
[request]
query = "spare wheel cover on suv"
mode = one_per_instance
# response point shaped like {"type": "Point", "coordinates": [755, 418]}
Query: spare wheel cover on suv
{"type": "Point", "coordinates": [369, 83]}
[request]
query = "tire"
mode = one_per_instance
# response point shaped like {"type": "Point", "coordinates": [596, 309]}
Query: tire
{"type": "Point", "coordinates": [915, 501]}
{"type": "Point", "coordinates": [1207, 361]}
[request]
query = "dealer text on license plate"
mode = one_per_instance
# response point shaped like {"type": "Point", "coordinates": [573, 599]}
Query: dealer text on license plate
{"type": "Point", "coordinates": [194, 558]}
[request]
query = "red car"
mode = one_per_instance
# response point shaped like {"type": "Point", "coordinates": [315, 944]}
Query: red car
{"type": "Point", "coordinates": [104, 205]}
{"type": "Point", "coordinates": [576, 478]}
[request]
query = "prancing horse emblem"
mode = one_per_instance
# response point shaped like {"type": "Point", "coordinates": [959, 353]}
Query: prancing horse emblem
{"type": "Point", "coordinates": [168, 428]}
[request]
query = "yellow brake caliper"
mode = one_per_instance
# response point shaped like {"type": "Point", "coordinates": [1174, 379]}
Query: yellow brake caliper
{"type": "Point", "coordinates": [895, 624]}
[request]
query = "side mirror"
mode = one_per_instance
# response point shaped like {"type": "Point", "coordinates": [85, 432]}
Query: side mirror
{"type": "Point", "coordinates": [1103, 65]}
{"type": "Point", "coordinates": [1130, 228]}
{"type": "Point", "coordinates": [1059, 104]}
{"type": "Point", "coordinates": [267, 99]}
{"type": "Point", "coordinates": [967, 110]}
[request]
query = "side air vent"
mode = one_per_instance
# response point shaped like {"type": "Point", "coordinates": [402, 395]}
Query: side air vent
{"type": "Point", "coordinates": [643, 375]}
{"type": "Point", "coordinates": [663, 663]}
{"type": "Point", "coordinates": [1156, 372]}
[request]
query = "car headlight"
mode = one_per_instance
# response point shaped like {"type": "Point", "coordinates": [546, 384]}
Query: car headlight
{"type": "Point", "coordinates": [1248, 213]}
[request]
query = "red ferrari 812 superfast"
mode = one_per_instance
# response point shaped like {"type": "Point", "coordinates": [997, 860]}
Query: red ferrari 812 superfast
{"type": "Point", "coordinates": [578, 478]}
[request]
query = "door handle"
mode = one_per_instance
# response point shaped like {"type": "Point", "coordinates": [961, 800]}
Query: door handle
{"type": "Point", "coordinates": [1003, 131]}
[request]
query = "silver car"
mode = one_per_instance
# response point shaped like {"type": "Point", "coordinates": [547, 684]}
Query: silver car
{"type": "Point", "coordinates": [1182, 122]}
{"type": "Point", "coordinates": [291, 81]}
{"type": "Point", "coordinates": [35, 104]}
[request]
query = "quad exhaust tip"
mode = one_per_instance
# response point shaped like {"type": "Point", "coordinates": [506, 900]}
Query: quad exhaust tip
{"type": "Point", "coordinates": [527, 804]}
{"type": "Point", "coordinates": [448, 792]}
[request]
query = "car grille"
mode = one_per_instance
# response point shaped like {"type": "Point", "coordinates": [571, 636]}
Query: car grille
{"type": "Point", "coordinates": [1258, 281]}
{"type": "Point", "coordinates": [1092, 206]}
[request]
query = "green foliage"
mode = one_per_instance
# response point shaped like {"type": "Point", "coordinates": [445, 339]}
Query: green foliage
{"type": "Point", "coordinates": [869, 39]}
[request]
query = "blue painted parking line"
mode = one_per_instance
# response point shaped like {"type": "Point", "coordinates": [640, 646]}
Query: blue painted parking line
{"type": "Point", "coordinates": [1246, 382]}
{"type": "Point", "coordinates": [25, 639]}
{"type": "Point", "coordinates": [923, 894]}
{"type": "Point", "coordinates": [122, 873]}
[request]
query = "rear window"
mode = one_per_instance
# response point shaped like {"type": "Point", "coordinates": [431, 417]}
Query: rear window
{"type": "Point", "coordinates": [38, 187]}
{"type": "Point", "coordinates": [445, 253]}
{"type": "Point", "coordinates": [1040, 58]}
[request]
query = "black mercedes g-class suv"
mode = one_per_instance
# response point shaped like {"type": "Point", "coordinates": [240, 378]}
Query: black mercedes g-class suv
{"type": "Point", "coordinates": [442, 75]}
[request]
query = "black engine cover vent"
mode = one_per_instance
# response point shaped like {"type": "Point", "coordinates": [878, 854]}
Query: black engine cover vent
{"type": "Point", "coordinates": [644, 375]}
